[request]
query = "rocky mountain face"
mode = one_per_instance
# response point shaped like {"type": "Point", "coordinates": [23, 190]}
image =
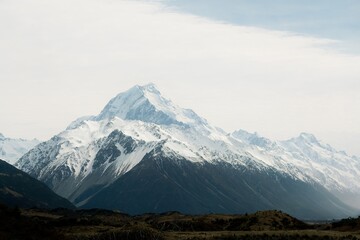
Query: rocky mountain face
{"type": "Point", "coordinates": [162, 183]}
{"type": "Point", "coordinates": [143, 153]}
{"type": "Point", "coordinates": [308, 158]}
{"type": "Point", "coordinates": [19, 189]}
{"type": "Point", "coordinates": [12, 149]}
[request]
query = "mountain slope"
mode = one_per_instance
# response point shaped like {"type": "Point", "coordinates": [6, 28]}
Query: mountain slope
{"type": "Point", "coordinates": [19, 189]}
{"type": "Point", "coordinates": [106, 154]}
{"type": "Point", "coordinates": [160, 183]}
{"type": "Point", "coordinates": [12, 149]}
{"type": "Point", "coordinates": [97, 152]}
{"type": "Point", "coordinates": [77, 159]}
{"type": "Point", "coordinates": [309, 158]}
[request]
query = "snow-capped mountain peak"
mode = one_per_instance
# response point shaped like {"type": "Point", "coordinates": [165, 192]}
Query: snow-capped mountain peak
{"type": "Point", "coordinates": [307, 137]}
{"type": "Point", "coordinates": [140, 129]}
{"type": "Point", "coordinates": [251, 138]}
{"type": "Point", "coordinates": [145, 103]}
{"type": "Point", "coordinates": [12, 149]}
{"type": "Point", "coordinates": [243, 135]}
{"type": "Point", "coordinates": [150, 87]}
{"type": "Point", "coordinates": [306, 141]}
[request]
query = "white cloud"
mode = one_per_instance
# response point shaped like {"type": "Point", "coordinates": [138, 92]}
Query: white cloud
{"type": "Point", "coordinates": [63, 59]}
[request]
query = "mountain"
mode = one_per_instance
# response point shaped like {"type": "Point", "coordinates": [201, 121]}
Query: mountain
{"type": "Point", "coordinates": [146, 104]}
{"type": "Point", "coordinates": [12, 149]}
{"type": "Point", "coordinates": [19, 189]}
{"type": "Point", "coordinates": [143, 153]}
{"type": "Point", "coordinates": [160, 183]}
{"type": "Point", "coordinates": [308, 158]}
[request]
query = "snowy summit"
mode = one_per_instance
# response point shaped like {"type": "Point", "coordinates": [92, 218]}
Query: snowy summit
{"type": "Point", "coordinates": [145, 103]}
{"type": "Point", "coordinates": [140, 126]}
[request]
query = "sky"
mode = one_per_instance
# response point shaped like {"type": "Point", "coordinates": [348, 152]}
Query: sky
{"type": "Point", "coordinates": [278, 68]}
{"type": "Point", "coordinates": [335, 19]}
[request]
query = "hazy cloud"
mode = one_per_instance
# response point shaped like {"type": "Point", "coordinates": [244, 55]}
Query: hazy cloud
{"type": "Point", "coordinates": [64, 59]}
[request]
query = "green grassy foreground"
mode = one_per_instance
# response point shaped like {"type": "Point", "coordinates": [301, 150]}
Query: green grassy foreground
{"type": "Point", "coordinates": [107, 225]}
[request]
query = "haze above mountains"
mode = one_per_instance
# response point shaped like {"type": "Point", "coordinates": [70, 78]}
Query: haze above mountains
{"type": "Point", "coordinates": [143, 153]}
{"type": "Point", "coordinates": [262, 72]}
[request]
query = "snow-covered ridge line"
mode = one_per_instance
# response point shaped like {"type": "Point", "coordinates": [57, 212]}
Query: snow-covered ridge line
{"type": "Point", "coordinates": [306, 156]}
{"type": "Point", "coordinates": [94, 150]}
{"type": "Point", "coordinates": [12, 149]}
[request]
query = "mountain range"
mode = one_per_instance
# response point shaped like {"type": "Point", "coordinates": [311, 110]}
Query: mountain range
{"type": "Point", "coordinates": [307, 157]}
{"type": "Point", "coordinates": [12, 149]}
{"type": "Point", "coordinates": [143, 153]}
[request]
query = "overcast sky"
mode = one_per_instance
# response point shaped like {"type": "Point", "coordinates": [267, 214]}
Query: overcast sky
{"type": "Point", "coordinates": [336, 19]}
{"type": "Point", "coordinates": [235, 64]}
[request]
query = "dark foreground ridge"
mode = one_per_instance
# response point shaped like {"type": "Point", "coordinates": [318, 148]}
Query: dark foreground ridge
{"type": "Point", "coordinates": [17, 188]}
{"type": "Point", "coordinates": [98, 224]}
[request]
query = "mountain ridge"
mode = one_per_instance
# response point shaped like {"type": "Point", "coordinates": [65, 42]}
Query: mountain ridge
{"type": "Point", "coordinates": [95, 152]}
{"type": "Point", "coordinates": [19, 189]}
{"type": "Point", "coordinates": [335, 170]}
{"type": "Point", "coordinates": [11, 149]}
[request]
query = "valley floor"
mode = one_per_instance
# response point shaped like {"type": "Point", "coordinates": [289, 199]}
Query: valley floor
{"type": "Point", "coordinates": [262, 235]}
{"type": "Point", "coordinates": [99, 224]}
